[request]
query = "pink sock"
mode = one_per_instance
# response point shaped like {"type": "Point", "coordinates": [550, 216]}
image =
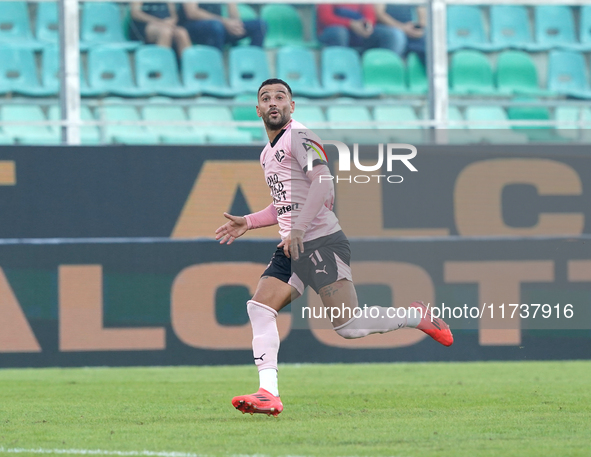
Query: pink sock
{"type": "Point", "coordinates": [265, 337]}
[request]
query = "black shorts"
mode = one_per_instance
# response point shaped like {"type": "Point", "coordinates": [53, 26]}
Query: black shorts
{"type": "Point", "coordinates": [325, 260]}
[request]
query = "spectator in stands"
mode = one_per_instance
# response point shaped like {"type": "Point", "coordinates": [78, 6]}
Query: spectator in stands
{"type": "Point", "coordinates": [206, 25]}
{"type": "Point", "coordinates": [353, 25]}
{"type": "Point", "coordinates": [409, 35]}
{"type": "Point", "coordinates": [157, 23]}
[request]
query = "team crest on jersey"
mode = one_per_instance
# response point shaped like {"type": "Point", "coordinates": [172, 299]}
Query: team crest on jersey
{"type": "Point", "coordinates": [280, 155]}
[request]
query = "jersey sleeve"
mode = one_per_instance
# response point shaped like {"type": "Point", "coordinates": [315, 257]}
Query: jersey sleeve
{"type": "Point", "coordinates": [305, 143]}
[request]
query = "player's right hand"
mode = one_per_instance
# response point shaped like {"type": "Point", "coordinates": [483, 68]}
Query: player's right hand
{"type": "Point", "coordinates": [231, 230]}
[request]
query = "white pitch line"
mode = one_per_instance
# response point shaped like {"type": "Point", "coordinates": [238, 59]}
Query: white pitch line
{"type": "Point", "coordinates": [97, 452]}
{"type": "Point", "coordinates": [4, 450]}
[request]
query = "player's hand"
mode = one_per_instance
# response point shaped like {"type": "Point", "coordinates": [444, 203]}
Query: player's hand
{"type": "Point", "coordinates": [231, 230]}
{"type": "Point", "coordinates": [293, 244]}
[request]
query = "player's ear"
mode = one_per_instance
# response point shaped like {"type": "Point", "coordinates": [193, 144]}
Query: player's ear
{"type": "Point", "coordinates": [292, 104]}
{"type": "Point", "coordinates": [258, 111]}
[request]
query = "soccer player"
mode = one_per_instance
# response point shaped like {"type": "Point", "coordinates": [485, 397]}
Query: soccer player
{"type": "Point", "coordinates": [313, 250]}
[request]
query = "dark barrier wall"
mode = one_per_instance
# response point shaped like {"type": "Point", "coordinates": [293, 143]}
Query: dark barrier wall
{"type": "Point", "coordinates": [107, 255]}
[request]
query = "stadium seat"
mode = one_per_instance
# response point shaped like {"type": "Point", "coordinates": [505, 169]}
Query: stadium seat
{"type": "Point", "coordinates": [27, 134]}
{"type": "Point", "coordinates": [218, 134]}
{"type": "Point", "coordinates": [341, 72]}
{"type": "Point", "coordinates": [384, 70]}
{"type": "Point", "coordinates": [47, 27]}
{"type": "Point", "coordinates": [585, 26]}
{"type": "Point", "coordinates": [50, 73]}
{"type": "Point", "coordinates": [490, 128]}
{"type": "Point", "coordinates": [161, 111]}
{"type": "Point", "coordinates": [15, 26]}
{"type": "Point", "coordinates": [309, 115]}
{"type": "Point", "coordinates": [417, 75]}
{"type": "Point", "coordinates": [510, 28]}
{"type": "Point", "coordinates": [101, 24]}
{"type": "Point", "coordinates": [109, 72]}
{"type": "Point", "coordinates": [534, 113]}
{"type": "Point", "coordinates": [567, 74]}
{"type": "Point", "coordinates": [569, 116]}
{"type": "Point", "coordinates": [351, 123]}
{"type": "Point", "coordinates": [115, 110]}
{"type": "Point", "coordinates": [395, 116]}
{"type": "Point", "coordinates": [203, 70]}
{"type": "Point", "coordinates": [555, 27]}
{"type": "Point", "coordinates": [471, 73]}
{"type": "Point", "coordinates": [248, 113]}
{"type": "Point", "coordinates": [517, 74]}
{"type": "Point", "coordinates": [89, 134]}
{"type": "Point", "coordinates": [5, 139]}
{"type": "Point", "coordinates": [297, 66]}
{"type": "Point", "coordinates": [157, 72]}
{"type": "Point", "coordinates": [248, 68]}
{"type": "Point", "coordinates": [18, 73]}
{"type": "Point", "coordinates": [284, 26]}
{"type": "Point", "coordinates": [465, 29]}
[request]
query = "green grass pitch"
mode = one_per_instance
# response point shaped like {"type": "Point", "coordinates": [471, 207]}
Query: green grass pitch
{"type": "Point", "coordinates": [406, 409]}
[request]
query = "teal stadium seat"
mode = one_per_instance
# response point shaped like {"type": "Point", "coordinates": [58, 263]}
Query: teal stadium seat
{"type": "Point", "coordinates": [534, 113]}
{"type": "Point", "coordinates": [510, 28]}
{"type": "Point", "coordinates": [218, 134]}
{"type": "Point", "coordinates": [384, 70]}
{"type": "Point", "coordinates": [517, 74]}
{"type": "Point", "coordinates": [15, 26]}
{"type": "Point", "coordinates": [490, 127]}
{"type": "Point", "coordinates": [89, 134]}
{"type": "Point", "coordinates": [47, 25]}
{"type": "Point", "coordinates": [248, 113]}
{"type": "Point", "coordinates": [465, 29]}
{"type": "Point", "coordinates": [471, 73]}
{"type": "Point", "coordinates": [567, 74]}
{"type": "Point", "coordinates": [109, 72]}
{"type": "Point", "coordinates": [27, 134]}
{"type": "Point", "coordinates": [351, 123]}
{"type": "Point", "coordinates": [248, 67]}
{"type": "Point", "coordinates": [157, 72]}
{"type": "Point", "coordinates": [18, 73]}
{"type": "Point", "coordinates": [101, 25]}
{"type": "Point", "coordinates": [555, 27]}
{"type": "Point", "coordinates": [342, 73]}
{"type": "Point", "coordinates": [395, 116]}
{"type": "Point", "coordinates": [585, 26]}
{"type": "Point", "coordinates": [569, 117]}
{"type": "Point", "coordinates": [124, 133]}
{"type": "Point", "coordinates": [50, 73]}
{"type": "Point", "coordinates": [297, 67]}
{"type": "Point", "coordinates": [5, 139]}
{"type": "Point", "coordinates": [203, 70]}
{"type": "Point", "coordinates": [310, 115]}
{"type": "Point", "coordinates": [284, 26]}
{"type": "Point", "coordinates": [159, 111]}
{"type": "Point", "coordinates": [417, 75]}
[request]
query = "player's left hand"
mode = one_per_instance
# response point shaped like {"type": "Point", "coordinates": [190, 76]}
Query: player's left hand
{"type": "Point", "coordinates": [293, 244]}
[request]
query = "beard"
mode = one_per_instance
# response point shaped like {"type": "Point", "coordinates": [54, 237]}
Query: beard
{"type": "Point", "coordinates": [277, 123]}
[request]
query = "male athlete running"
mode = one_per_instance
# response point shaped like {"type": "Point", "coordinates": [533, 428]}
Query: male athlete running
{"type": "Point", "coordinates": [313, 251]}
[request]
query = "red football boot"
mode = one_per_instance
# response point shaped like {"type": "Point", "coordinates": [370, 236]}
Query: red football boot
{"type": "Point", "coordinates": [433, 326]}
{"type": "Point", "coordinates": [262, 402]}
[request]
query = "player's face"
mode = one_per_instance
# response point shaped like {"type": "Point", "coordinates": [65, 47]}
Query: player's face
{"type": "Point", "coordinates": [275, 106]}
